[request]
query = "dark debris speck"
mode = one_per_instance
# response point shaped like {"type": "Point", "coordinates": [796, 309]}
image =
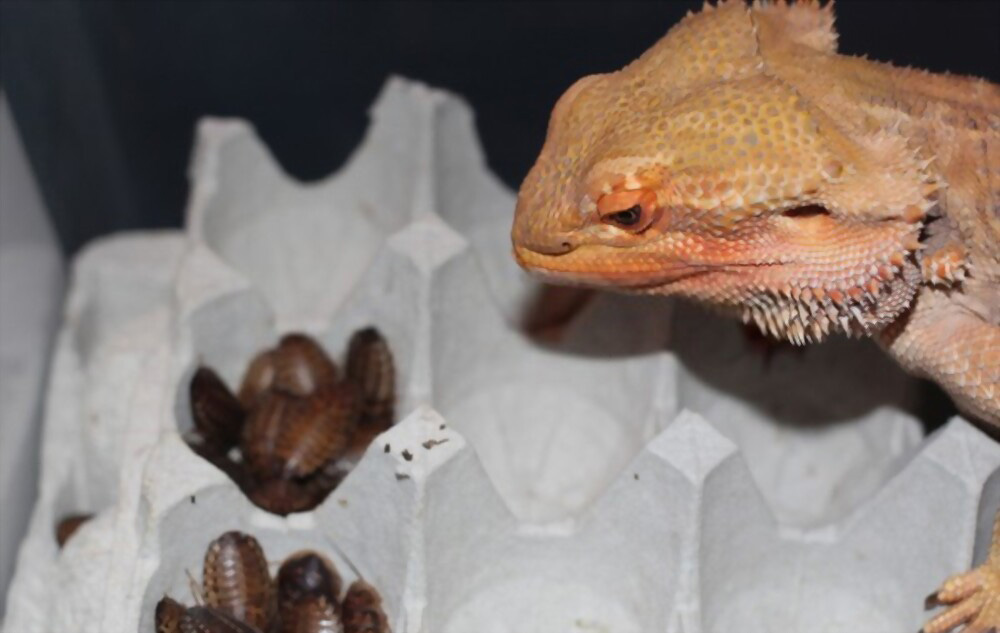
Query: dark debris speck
{"type": "Point", "coordinates": [429, 444]}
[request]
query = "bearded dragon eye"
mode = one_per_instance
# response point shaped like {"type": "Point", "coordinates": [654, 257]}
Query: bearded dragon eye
{"type": "Point", "coordinates": [633, 210]}
{"type": "Point", "coordinates": [627, 218]}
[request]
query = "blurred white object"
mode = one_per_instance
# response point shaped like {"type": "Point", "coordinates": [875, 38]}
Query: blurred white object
{"type": "Point", "coordinates": [646, 475]}
{"type": "Point", "coordinates": [31, 283]}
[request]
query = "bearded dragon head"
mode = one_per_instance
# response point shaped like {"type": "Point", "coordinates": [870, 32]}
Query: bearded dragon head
{"type": "Point", "coordinates": [697, 172]}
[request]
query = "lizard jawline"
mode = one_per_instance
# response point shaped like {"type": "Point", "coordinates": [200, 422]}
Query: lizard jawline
{"type": "Point", "coordinates": [572, 268]}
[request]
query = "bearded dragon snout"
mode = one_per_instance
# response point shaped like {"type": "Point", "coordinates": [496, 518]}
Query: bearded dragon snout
{"type": "Point", "coordinates": [541, 234]}
{"type": "Point", "coordinates": [557, 245]}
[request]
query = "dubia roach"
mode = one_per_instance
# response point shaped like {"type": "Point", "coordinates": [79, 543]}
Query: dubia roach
{"type": "Point", "coordinates": [307, 573]}
{"type": "Point", "coordinates": [308, 588]}
{"type": "Point", "coordinates": [301, 366]}
{"type": "Point", "coordinates": [169, 614]}
{"type": "Point", "coordinates": [318, 430]}
{"type": "Point", "coordinates": [212, 620]}
{"type": "Point", "coordinates": [361, 610]}
{"type": "Point", "coordinates": [236, 579]}
{"type": "Point", "coordinates": [218, 415]}
{"type": "Point", "coordinates": [312, 614]}
{"type": "Point", "coordinates": [370, 365]}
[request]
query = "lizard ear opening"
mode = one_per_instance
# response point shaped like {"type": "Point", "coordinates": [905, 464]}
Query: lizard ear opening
{"type": "Point", "coordinates": [807, 211]}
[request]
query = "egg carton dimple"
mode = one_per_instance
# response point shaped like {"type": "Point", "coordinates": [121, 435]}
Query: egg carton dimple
{"type": "Point", "coordinates": [528, 487]}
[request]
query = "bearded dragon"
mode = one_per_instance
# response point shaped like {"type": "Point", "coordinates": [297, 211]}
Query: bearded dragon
{"type": "Point", "coordinates": [742, 163]}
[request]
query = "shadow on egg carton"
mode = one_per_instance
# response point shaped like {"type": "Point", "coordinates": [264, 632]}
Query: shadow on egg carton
{"type": "Point", "coordinates": [584, 503]}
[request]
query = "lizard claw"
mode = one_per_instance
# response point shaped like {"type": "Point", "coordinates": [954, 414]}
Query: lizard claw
{"type": "Point", "coordinates": [945, 266]}
{"type": "Point", "coordinates": [973, 598]}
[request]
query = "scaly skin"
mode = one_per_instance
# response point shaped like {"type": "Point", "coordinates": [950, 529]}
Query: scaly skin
{"type": "Point", "coordinates": [741, 162]}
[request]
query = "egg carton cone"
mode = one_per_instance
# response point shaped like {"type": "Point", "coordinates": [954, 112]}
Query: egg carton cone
{"type": "Point", "coordinates": [611, 481]}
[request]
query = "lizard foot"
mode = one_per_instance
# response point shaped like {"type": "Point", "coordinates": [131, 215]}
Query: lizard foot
{"type": "Point", "coordinates": [945, 266]}
{"type": "Point", "coordinates": [973, 598]}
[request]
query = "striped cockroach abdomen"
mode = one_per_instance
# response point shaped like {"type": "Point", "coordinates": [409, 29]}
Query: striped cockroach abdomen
{"type": "Point", "coordinates": [319, 429]}
{"type": "Point", "coordinates": [361, 610]}
{"type": "Point", "coordinates": [370, 365]}
{"type": "Point", "coordinates": [217, 414]}
{"type": "Point", "coordinates": [257, 380]}
{"type": "Point", "coordinates": [311, 614]}
{"type": "Point", "coordinates": [236, 579]}
{"type": "Point", "coordinates": [214, 620]}
{"type": "Point", "coordinates": [264, 430]}
{"type": "Point", "coordinates": [301, 366]}
{"type": "Point", "coordinates": [169, 614]}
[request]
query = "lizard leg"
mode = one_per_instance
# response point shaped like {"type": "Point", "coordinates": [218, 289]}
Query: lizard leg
{"type": "Point", "coordinates": [973, 597]}
{"type": "Point", "coordinates": [955, 341]}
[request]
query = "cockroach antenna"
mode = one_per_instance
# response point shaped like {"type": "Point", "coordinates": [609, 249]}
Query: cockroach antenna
{"type": "Point", "coordinates": [347, 560]}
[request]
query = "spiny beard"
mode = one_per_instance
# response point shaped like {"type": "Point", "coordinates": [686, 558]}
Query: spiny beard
{"type": "Point", "coordinates": [802, 317]}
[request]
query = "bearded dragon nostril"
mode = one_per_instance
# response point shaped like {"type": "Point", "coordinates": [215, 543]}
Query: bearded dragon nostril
{"type": "Point", "coordinates": [555, 247]}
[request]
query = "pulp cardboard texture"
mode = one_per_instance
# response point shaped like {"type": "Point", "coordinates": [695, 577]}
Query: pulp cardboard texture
{"type": "Point", "coordinates": [650, 472]}
{"type": "Point", "coordinates": [31, 286]}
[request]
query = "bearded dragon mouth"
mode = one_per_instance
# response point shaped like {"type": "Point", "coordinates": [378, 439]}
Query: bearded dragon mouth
{"type": "Point", "coordinates": [584, 266]}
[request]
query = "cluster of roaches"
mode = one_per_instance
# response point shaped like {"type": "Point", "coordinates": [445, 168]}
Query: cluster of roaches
{"type": "Point", "coordinates": [238, 595]}
{"type": "Point", "coordinates": [282, 438]}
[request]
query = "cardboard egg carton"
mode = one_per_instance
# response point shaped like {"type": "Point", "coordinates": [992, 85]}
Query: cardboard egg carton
{"type": "Point", "coordinates": [648, 472]}
{"type": "Point", "coordinates": [31, 288]}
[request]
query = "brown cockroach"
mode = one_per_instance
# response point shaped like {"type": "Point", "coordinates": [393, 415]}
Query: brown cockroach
{"type": "Point", "coordinates": [236, 580]}
{"type": "Point", "coordinates": [169, 614]}
{"type": "Point", "coordinates": [319, 429]}
{"type": "Point", "coordinates": [265, 425]}
{"type": "Point", "coordinates": [307, 573]}
{"type": "Point", "coordinates": [301, 366]}
{"type": "Point", "coordinates": [283, 496]}
{"type": "Point", "coordinates": [257, 380]}
{"type": "Point", "coordinates": [312, 614]}
{"type": "Point", "coordinates": [370, 365]}
{"type": "Point", "coordinates": [308, 587]}
{"type": "Point", "coordinates": [361, 610]}
{"type": "Point", "coordinates": [214, 620]}
{"type": "Point", "coordinates": [286, 436]}
{"type": "Point", "coordinates": [69, 525]}
{"type": "Point", "coordinates": [217, 414]}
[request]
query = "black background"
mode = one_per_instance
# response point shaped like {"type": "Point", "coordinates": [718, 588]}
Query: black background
{"type": "Point", "coordinates": [106, 94]}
